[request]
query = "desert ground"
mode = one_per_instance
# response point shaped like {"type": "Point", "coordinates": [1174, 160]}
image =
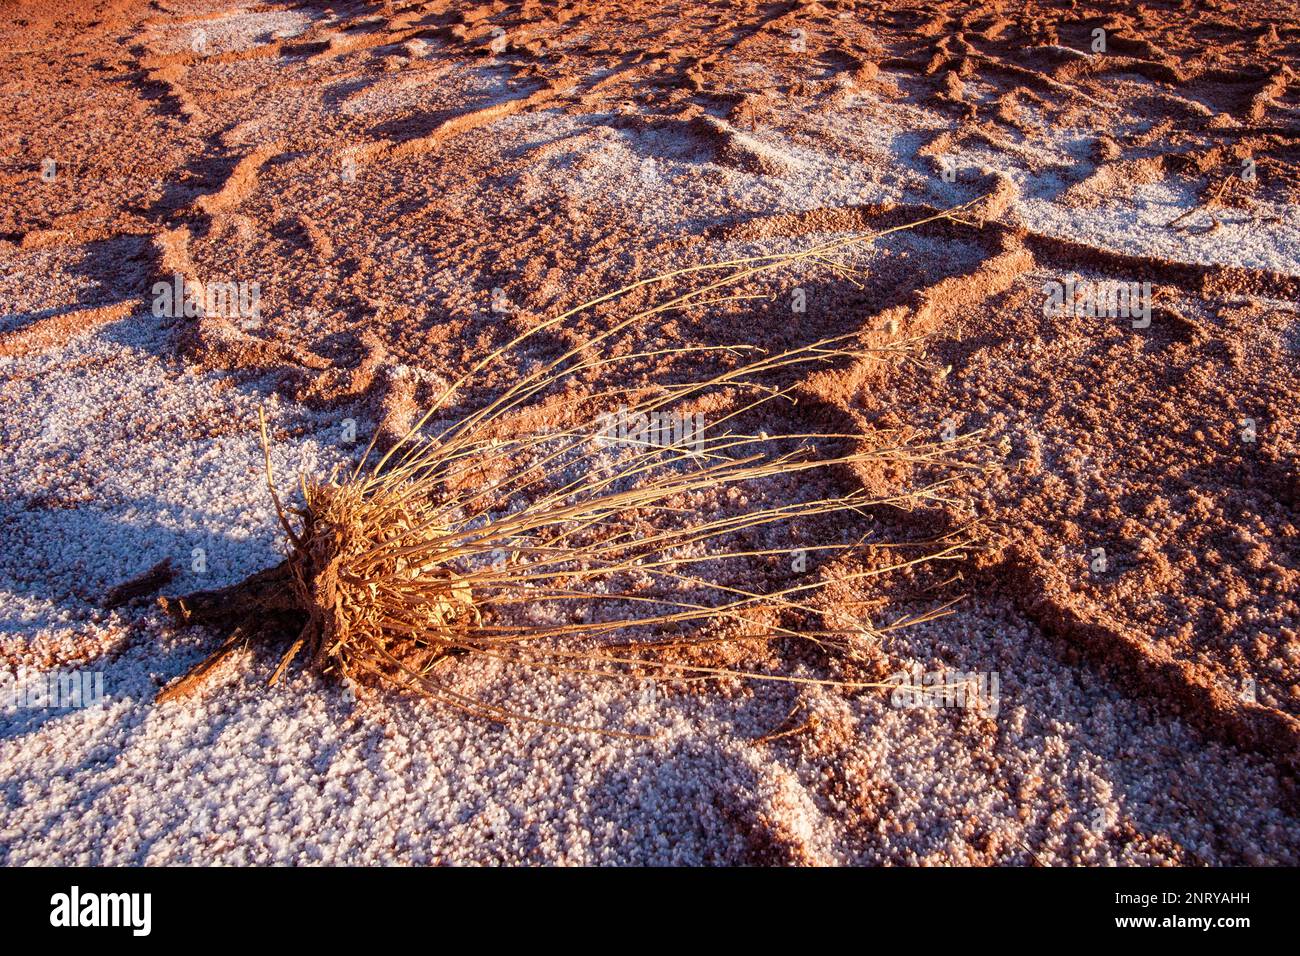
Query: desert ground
{"type": "Point", "coordinates": [390, 190]}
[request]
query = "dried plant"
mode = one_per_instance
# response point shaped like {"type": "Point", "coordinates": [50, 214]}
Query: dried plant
{"type": "Point", "coordinates": [568, 551]}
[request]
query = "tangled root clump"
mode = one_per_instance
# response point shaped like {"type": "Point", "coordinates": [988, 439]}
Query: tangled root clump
{"type": "Point", "coordinates": [375, 607]}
